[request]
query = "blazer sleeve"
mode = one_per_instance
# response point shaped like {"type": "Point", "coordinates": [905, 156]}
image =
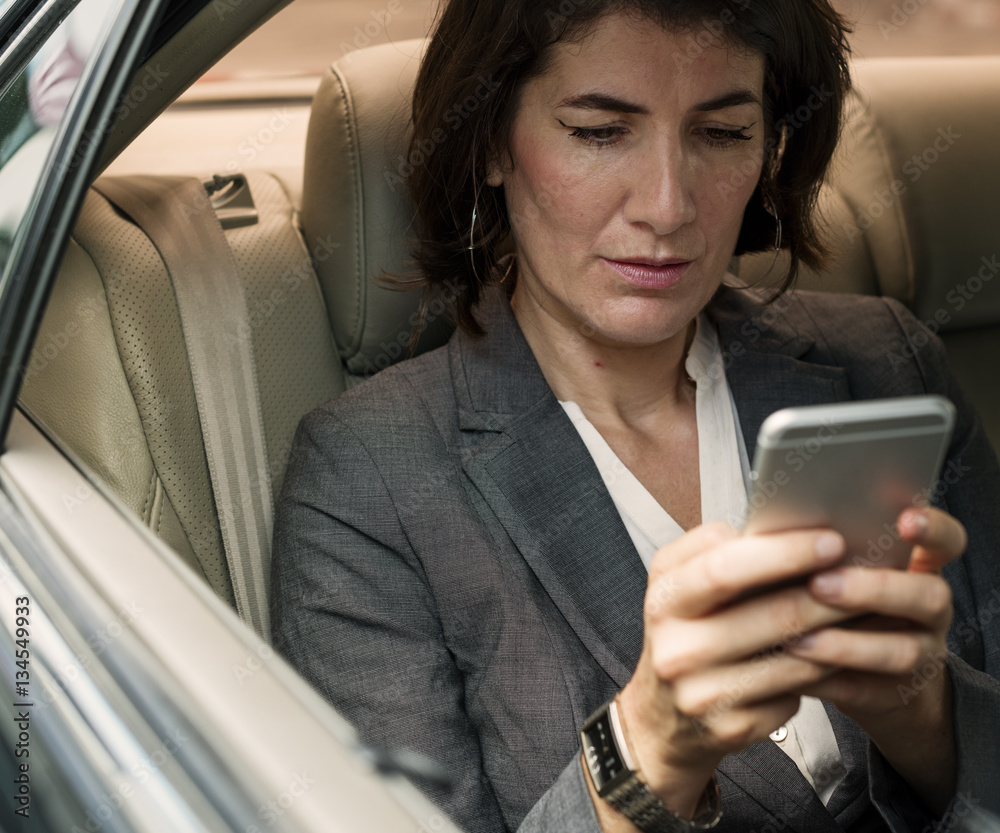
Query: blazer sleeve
{"type": "Point", "coordinates": [353, 612]}
{"type": "Point", "coordinates": [969, 489]}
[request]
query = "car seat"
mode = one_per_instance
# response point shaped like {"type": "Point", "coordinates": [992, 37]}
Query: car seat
{"type": "Point", "coordinates": [110, 378]}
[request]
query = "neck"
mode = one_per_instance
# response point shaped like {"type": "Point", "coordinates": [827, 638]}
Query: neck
{"type": "Point", "coordinates": [628, 384]}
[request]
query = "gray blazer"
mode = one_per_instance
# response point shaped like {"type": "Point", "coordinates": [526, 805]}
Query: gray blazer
{"type": "Point", "coordinates": [451, 573]}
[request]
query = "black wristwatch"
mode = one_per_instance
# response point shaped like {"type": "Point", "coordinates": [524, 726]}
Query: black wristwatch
{"type": "Point", "coordinates": [617, 779]}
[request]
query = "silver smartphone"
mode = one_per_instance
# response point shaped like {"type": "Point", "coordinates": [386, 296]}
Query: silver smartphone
{"type": "Point", "coordinates": [852, 467]}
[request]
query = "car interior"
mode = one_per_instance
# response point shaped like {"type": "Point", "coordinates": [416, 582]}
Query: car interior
{"type": "Point", "coordinates": [113, 520]}
{"type": "Point", "coordinates": [910, 206]}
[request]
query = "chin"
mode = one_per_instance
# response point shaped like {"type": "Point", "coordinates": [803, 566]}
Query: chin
{"type": "Point", "coordinates": [644, 322]}
{"type": "Point", "coordinates": [634, 333]}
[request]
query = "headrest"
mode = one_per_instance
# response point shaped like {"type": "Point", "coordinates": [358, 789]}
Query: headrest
{"type": "Point", "coordinates": [911, 203]}
{"type": "Point", "coordinates": [355, 212]}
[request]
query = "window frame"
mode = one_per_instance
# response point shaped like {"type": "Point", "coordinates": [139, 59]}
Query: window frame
{"type": "Point", "coordinates": [43, 232]}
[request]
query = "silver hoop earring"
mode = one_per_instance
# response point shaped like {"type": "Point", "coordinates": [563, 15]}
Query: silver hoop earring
{"type": "Point", "coordinates": [472, 230]}
{"type": "Point", "coordinates": [777, 249]}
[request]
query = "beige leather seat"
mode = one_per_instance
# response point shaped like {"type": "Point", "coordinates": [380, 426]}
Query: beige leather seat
{"type": "Point", "coordinates": [354, 168]}
{"type": "Point", "coordinates": [110, 374]}
{"type": "Point", "coordinates": [913, 211]}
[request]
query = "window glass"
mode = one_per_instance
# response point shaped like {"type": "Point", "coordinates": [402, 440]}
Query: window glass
{"type": "Point", "coordinates": [34, 105]}
{"type": "Point", "coordinates": [308, 35]}
{"type": "Point", "coordinates": [53, 806]}
{"type": "Point", "coordinates": [919, 27]}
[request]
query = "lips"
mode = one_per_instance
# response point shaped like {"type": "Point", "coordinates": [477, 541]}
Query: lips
{"type": "Point", "coordinates": [651, 274]}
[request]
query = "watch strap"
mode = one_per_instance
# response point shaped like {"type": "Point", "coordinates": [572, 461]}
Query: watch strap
{"type": "Point", "coordinates": [633, 797]}
{"type": "Point", "coordinates": [638, 803]}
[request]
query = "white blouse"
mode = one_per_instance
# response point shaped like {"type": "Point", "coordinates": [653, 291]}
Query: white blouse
{"type": "Point", "coordinates": [724, 468]}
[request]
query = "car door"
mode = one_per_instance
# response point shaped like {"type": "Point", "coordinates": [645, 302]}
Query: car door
{"type": "Point", "coordinates": [131, 697]}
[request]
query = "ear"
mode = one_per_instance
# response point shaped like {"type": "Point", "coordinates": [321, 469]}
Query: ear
{"type": "Point", "coordinates": [494, 175]}
{"type": "Point", "coordinates": [497, 168]}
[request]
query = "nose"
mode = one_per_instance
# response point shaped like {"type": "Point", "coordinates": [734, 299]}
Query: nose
{"type": "Point", "coordinates": [661, 194]}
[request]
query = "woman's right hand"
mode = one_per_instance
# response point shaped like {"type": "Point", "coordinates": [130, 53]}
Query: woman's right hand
{"type": "Point", "coordinates": [714, 675]}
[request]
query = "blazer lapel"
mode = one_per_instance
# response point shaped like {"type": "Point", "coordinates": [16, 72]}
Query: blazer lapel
{"type": "Point", "coordinates": [529, 463]}
{"type": "Point", "coordinates": [769, 777]}
{"type": "Point", "coordinates": [850, 801]}
{"type": "Point", "coordinates": [764, 349]}
{"type": "Point", "coordinates": [534, 471]}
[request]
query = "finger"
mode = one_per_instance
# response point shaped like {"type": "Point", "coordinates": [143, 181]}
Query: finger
{"type": "Point", "coordinates": [740, 565]}
{"type": "Point", "coordinates": [721, 688]}
{"type": "Point", "coordinates": [663, 588]}
{"type": "Point", "coordinates": [925, 599]}
{"type": "Point", "coordinates": [872, 651]}
{"type": "Point", "coordinates": [732, 730]}
{"type": "Point", "coordinates": [694, 543]}
{"type": "Point", "coordinates": [854, 689]}
{"type": "Point", "coordinates": [939, 538]}
{"type": "Point", "coordinates": [860, 692]}
{"type": "Point", "coordinates": [737, 633]}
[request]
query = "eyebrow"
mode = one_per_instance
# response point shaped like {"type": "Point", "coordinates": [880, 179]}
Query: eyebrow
{"type": "Point", "coordinates": [736, 98]}
{"type": "Point", "coordinates": [600, 101]}
{"type": "Point", "coordinates": [610, 103]}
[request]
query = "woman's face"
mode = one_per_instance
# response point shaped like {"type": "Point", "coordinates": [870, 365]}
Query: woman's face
{"type": "Point", "coordinates": [631, 162]}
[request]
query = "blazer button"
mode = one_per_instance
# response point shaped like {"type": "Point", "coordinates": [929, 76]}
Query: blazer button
{"type": "Point", "coordinates": [779, 734]}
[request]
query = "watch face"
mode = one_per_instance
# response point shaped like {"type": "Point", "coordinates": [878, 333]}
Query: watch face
{"type": "Point", "coordinates": [601, 753]}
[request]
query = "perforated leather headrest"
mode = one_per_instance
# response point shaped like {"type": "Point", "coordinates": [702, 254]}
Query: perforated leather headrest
{"type": "Point", "coordinates": [354, 203]}
{"type": "Point", "coordinates": [911, 202]}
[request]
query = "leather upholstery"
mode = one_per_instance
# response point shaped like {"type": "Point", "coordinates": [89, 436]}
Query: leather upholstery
{"type": "Point", "coordinates": [110, 375]}
{"type": "Point", "coordinates": [927, 127]}
{"type": "Point", "coordinates": [77, 385]}
{"type": "Point", "coordinates": [119, 391]}
{"type": "Point", "coordinates": [909, 206]}
{"type": "Point", "coordinates": [354, 188]}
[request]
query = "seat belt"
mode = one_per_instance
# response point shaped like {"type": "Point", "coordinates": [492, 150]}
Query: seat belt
{"type": "Point", "coordinates": [177, 216]}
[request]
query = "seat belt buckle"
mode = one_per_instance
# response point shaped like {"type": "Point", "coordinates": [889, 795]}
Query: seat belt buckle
{"type": "Point", "coordinates": [231, 198]}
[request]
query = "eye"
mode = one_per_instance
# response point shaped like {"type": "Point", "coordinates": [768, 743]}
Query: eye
{"type": "Point", "coordinates": [722, 137]}
{"type": "Point", "coordinates": [597, 136]}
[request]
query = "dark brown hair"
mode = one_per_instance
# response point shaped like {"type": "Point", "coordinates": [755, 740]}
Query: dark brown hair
{"type": "Point", "coordinates": [483, 51]}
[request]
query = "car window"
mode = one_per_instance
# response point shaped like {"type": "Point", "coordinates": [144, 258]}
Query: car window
{"type": "Point", "coordinates": [6, 6]}
{"type": "Point", "coordinates": [33, 107]}
{"type": "Point", "coordinates": [259, 129]}
{"type": "Point", "coordinates": [890, 28]}
{"type": "Point", "coordinates": [308, 35]}
{"type": "Point", "coordinates": [305, 37]}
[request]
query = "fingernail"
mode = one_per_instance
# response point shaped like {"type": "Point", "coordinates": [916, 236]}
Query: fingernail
{"type": "Point", "coordinates": [829, 547]}
{"type": "Point", "coordinates": [916, 520]}
{"type": "Point", "coordinates": [830, 585]}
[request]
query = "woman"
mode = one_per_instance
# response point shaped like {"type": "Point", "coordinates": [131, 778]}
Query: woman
{"type": "Point", "coordinates": [462, 544]}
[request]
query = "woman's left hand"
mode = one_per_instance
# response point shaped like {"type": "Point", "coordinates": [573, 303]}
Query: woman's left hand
{"type": "Point", "coordinates": [894, 680]}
